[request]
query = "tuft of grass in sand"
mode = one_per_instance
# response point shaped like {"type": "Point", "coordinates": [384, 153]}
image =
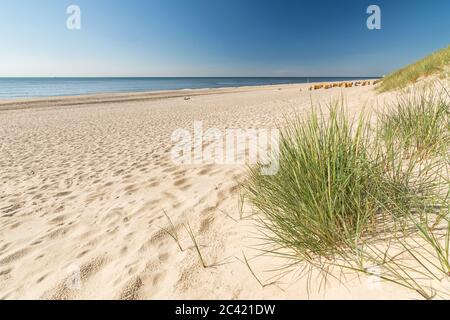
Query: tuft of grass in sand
{"type": "Point", "coordinates": [333, 187]}
{"type": "Point", "coordinates": [418, 123]}
{"type": "Point", "coordinates": [432, 64]}
{"type": "Point", "coordinates": [355, 197]}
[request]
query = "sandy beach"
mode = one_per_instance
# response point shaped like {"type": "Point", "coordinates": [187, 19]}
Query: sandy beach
{"type": "Point", "coordinates": [85, 181]}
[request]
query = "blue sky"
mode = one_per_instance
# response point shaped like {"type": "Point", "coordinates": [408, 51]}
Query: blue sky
{"type": "Point", "coordinates": [217, 37]}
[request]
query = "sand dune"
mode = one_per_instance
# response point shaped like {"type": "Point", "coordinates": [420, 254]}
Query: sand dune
{"type": "Point", "coordinates": [84, 182]}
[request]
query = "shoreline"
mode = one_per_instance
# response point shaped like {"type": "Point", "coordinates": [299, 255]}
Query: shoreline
{"type": "Point", "coordinates": [139, 96]}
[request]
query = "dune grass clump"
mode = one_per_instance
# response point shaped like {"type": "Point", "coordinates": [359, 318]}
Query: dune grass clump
{"type": "Point", "coordinates": [432, 64]}
{"type": "Point", "coordinates": [335, 188]}
{"type": "Point", "coordinates": [419, 124]}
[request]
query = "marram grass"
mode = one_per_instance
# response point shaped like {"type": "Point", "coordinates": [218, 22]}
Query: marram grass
{"type": "Point", "coordinates": [335, 188]}
{"type": "Point", "coordinates": [357, 198]}
{"type": "Point", "coordinates": [419, 124]}
{"type": "Point", "coordinates": [432, 64]}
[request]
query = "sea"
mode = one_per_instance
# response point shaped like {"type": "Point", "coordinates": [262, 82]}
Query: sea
{"type": "Point", "coordinates": [19, 88]}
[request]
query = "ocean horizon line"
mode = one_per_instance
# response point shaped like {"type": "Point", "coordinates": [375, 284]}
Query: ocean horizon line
{"type": "Point", "coordinates": [34, 87]}
{"type": "Point", "coordinates": [185, 77]}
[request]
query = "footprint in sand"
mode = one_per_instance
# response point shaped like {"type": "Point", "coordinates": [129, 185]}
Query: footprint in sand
{"type": "Point", "coordinates": [180, 182]}
{"type": "Point", "coordinates": [63, 194]}
{"type": "Point", "coordinates": [15, 256]}
{"type": "Point", "coordinates": [153, 184]}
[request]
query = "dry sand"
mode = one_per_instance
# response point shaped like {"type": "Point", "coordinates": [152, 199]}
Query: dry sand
{"type": "Point", "coordinates": [84, 182]}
